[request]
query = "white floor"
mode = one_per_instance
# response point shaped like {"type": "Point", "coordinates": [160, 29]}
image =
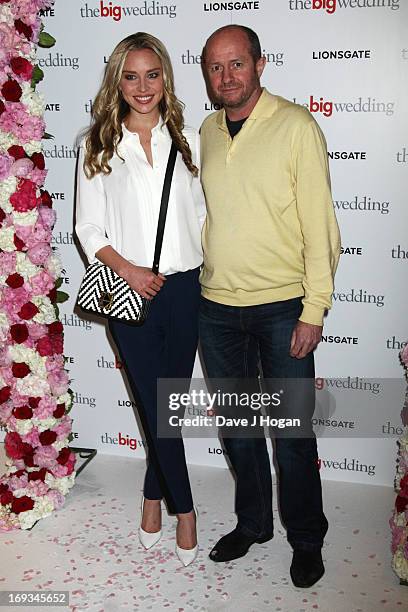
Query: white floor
{"type": "Point", "coordinates": [91, 548]}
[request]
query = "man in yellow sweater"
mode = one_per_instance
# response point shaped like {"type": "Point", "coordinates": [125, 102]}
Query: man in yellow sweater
{"type": "Point", "coordinates": [271, 247]}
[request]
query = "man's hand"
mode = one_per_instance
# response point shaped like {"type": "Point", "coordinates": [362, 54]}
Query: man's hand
{"type": "Point", "coordinates": [305, 338]}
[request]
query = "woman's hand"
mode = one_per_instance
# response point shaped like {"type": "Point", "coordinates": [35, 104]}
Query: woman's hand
{"type": "Point", "coordinates": [143, 280]}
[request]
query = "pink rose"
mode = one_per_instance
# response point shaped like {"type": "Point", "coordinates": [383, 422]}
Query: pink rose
{"type": "Point", "coordinates": [45, 408]}
{"type": "Point", "coordinates": [47, 216]}
{"type": "Point", "coordinates": [41, 283]}
{"type": "Point", "coordinates": [39, 253]}
{"type": "Point", "coordinates": [56, 497]}
{"type": "Point", "coordinates": [44, 456]}
{"type": "Point", "coordinates": [36, 330]}
{"type": "Point", "coordinates": [63, 429]}
{"type": "Point", "coordinates": [6, 163]}
{"type": "Point", "coordinates": [5, 412]}
{"type": "Point", "coordinates": [58, 382]}
{"type": "Point", "coordinates": [22, 167]}
{"type": "Point", "coordinates": [32, 437]}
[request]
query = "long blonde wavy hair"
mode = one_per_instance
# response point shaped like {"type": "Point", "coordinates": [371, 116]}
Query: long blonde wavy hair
{"type": "Point", "coordinates": [109, 108]}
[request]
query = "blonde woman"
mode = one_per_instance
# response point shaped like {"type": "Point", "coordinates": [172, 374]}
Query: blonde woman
{"type": "Point", "coordinates": [122, 162]}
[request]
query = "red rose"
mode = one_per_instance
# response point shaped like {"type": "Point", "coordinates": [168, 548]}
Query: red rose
{"type": "Point", "coordinates": [25, 198]}
{"type": "Point", "coordinates": [3, 488]}
{"type": "Point", "coordinates": [59, 411]}
{"type": "Point", "coordinates": [22, 67]}
{"type": "Point", "coordinates": [44, 346]}
{"type": "Point", "coordinates": [2, 215]}
{"type": "Point", "coordinates": [46, 199]}
{"type": "Point", "coordinates": [38, 475]}
{"type": "Point", "coordinates": [47, 437]}
{"type": "Point", "coordinates": [401, 503]}
{"type": "Point", "coordinates": [2, 107]}
{"type": "Point", "coordinates": [19, 473]}
{"type": "Point", "coordinates": [38, 160]}
{"type": "Point", "coordinates": [29, 460]}
{"type": "Point", "coordinates": [22, 504]}
{"type": "Point", "coordinates": [18, 243]}
{"type": "Point", "coordinates": [28, 311]}
{"type": "Point", "coordinates": [6, 498]}
{"type": "Point", "coordinates": [57, 345]}
{"type": "Point", "coordinates": [64, 455]}
{"type": "Point", "coordinates": [56, 327]}
{"type": "Point", "coordinates": [34, 401]}
{"type": "Point", "coordinates": [11, 91]}
{"type": "Point", "coordinates": [17, 152]}
{"type": "Point", "coordinates": [15, 280]}
{"type": "Point", "coordinates": [20, 370]}
{"type": "Point", "coordinates": [4, 394]}
{"type": "Point", "coordinates": [52, 295]}
{"type": "Point", "coordinates": [19, 332]}
{"type": "Point", "coordinates": [23, 412]}
{"type": "Point", "coordinates": [23, 28]}
{"type": "Point", "coordinates": [14, 445]}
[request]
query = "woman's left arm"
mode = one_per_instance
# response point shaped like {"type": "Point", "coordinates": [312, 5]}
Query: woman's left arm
{"type": "Point", "coordinates": [196, 188]}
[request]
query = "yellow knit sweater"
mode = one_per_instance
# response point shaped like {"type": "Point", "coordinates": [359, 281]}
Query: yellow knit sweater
{"type": "Point", "coordinates": [271, 233]}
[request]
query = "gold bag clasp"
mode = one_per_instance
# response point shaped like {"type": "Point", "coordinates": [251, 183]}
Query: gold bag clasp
{"type": "Point", "coordinates": [106, 301]}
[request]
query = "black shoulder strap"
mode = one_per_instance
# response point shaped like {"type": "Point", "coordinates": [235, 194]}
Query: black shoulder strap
{"type": "Point", "coordinates": [163, 207]}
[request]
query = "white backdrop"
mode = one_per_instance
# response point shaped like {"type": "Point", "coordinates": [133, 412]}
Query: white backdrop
{"type": "Point", "coordinates": [346, 60]}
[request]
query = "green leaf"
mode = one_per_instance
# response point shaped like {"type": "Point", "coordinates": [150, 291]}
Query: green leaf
{"type": "Point", "coordinates": [38, 76]}
{"type": "Point", "coordinates": [47, 136]}
{"type": "Point", "coordinates": [58, 282]}
{"type": "Point", "coordinates": [56, 309]}
{"type": "Point", "coordinates": [46, 40]}
{"type": "Point", "coordinates": [62, 297]}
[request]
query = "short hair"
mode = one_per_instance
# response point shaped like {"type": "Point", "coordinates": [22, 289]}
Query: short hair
{"type": "Point", "coordinates": [253, 40]}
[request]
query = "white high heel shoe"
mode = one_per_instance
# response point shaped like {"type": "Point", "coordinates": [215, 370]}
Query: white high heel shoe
{"type": "Point", "coordinates": [188, 555]}
{"type": "Point", "coordinates": [148, 539]}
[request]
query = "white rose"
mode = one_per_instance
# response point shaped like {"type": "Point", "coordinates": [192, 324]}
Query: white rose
{"type": "Point", "coordinates": [33, 386]}
{"type": "Point", "coordinates": [32, 99]}
{"type": "Point", "coordinates": [7, 239]}
{"type": "Point", "coordinates": [63, 485]}
{"type": "Point", "coordinates": [25, 267]}
{"type": "Point", "coordinates": [23, 426]}
{"type": "Point", "coordinates": [25, 218]}
{"type": "Point", "coordinates": [66, 399]}
{"type": "Point", "coordinates": [6, 140]}
{"type": "Point", "coordinates": [400, 564]}
{"type": "Point", "coordinates": [7, 187]}
{"type": "Point", "coordinates": [27, 519]}
{"type": "Point", "coordinates": [54, 265]}
{"type": "Point", "coordinates": [6, 15]}
{"type": "Point", "coordinates": [60, 444]}
{"type": "Point", "coordinates": [44, 424]}
{"type": "Point", "coordinates": [19, 352]}
{"type": "Point", "coordinates": [47, 311]}
{"type": "Point", "coordinates": [4, 329]}
{"type": "Point", "coordinates": [34, 146]}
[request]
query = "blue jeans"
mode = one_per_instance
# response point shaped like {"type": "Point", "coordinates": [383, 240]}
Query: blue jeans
{"type": "Point", "coordinates": [163, 347]}
{"type": "Point", "coordinates": [234, 341]}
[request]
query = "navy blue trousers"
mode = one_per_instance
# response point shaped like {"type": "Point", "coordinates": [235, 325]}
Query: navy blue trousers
{"type": "Point", "coordinates": [163, 347]}
{"type": "Point", "coordinates": [233, 341]}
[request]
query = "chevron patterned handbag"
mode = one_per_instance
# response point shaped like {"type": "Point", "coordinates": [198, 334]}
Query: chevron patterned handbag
{"type": "Point", "coordinates": [105, 293]}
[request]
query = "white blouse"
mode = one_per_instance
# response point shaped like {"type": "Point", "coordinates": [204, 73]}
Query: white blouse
{"type": "Point", "coordinates": [121, 209]}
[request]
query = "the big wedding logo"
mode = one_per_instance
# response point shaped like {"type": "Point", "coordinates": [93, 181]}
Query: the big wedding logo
{"type": "Point", "coordinates": [319, 104]}
{"type": "Point", "coordinates": [118, 11]}
{"type": "Point", "coordinates": [331, 6]}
